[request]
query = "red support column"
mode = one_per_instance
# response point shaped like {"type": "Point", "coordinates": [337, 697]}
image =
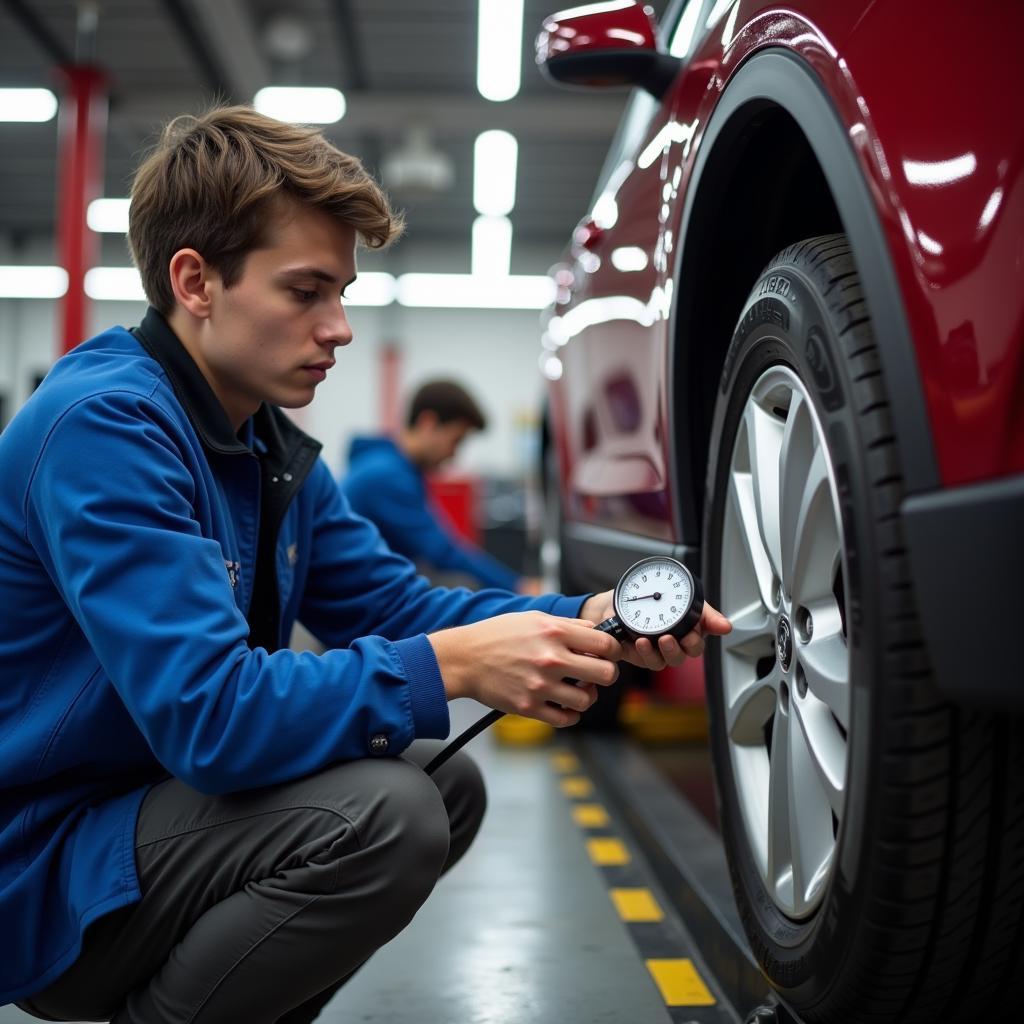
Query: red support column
{"type": "Point", "coordinates": [82, 129]}
{"type": "Point", "coordinates": [390, 367]}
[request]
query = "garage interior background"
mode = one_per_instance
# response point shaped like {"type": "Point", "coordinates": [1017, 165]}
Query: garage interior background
{"type": "Point", "coordinates": [414, 111]}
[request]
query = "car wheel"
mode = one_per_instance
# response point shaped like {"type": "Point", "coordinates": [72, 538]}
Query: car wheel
{"type": "Point", "coordinates": [875, 834]}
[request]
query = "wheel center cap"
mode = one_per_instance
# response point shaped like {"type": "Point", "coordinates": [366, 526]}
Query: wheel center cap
{"type": "Point", "coordinates": [784, 643]}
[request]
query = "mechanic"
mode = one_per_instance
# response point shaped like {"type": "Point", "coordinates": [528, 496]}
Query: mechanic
{"type": "Point", "coordinates": [385, 482]}
{"type": "Point", "coordinates": [196, 823]}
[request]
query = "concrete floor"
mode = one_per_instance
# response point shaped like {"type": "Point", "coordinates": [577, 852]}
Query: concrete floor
{"type": "Point", "coordinates": [522, 932]}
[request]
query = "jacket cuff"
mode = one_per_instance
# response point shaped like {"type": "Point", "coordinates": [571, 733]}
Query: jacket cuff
{"type": "Point", "coordinates": [569, 607]}
{"type": "Point", "coordinates": [426, 688]}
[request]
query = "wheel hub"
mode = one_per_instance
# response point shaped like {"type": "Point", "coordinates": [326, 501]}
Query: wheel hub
{"type": "Point", "coordinates": [784, 643]}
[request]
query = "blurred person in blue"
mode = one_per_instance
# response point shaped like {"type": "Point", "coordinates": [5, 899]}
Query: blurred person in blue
{"type": "Point", "coordinates": [386, 482]}
{"type": "Point", "coordinates": [198, 823]}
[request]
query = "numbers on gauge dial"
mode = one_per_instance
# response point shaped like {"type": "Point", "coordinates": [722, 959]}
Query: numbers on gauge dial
{"type": "Point", "coordinates": [654, 596]}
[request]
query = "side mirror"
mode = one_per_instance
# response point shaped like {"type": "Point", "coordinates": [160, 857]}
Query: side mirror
{"type": "Point", "coordinates": [602, 45]}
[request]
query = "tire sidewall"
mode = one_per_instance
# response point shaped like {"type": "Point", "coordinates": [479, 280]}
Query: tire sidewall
{"type": "Point", "coordinates": [786, 321]}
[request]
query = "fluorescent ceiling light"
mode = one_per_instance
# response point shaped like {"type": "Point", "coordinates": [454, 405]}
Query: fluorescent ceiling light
{"type": "Point", "coordinates": [492, 247]}
{"type": "Point", "coordinates": [499, 52]}
{"type": "Point", "coordinates": [27, 105]}
{"type": "Point", "coordinates": [599, 8]}
{"type": "Point", "coordinates": [495, 155]}
{"type": "Point", "coordinates": [33, 282]}
{"type": "Point", "coordinates": [550, 366]}
{"type": "Point", "coordinates": [682, 38]}
{"type": "Point", "coordinates": [439, 291]}
{"type": "Point", "coordinates": [108, 215]}
{"type": "Point", "coordinates": [372, 289]}
{"type": "Point", "coordinates": [940, 172]}
{"type": "Point", "coordinates": [628, 258]}
{"type": "Point", "coordinates": [301, 105]}
{"type": "Point", "coordinates": [464, 291]}
{"type": "Point", "coordinates": [114, 284]}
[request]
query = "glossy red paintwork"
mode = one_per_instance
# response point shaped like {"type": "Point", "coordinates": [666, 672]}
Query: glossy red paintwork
{"type": "Point", "coordinates": [580, 29]}
{"type": "Point", "coordinates": [932, 96]}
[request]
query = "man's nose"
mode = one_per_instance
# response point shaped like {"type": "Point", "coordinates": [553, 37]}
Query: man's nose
{"type": "Point", "coordinates": [335, 330]}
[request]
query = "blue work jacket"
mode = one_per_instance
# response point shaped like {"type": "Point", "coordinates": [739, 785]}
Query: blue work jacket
{"type": "Point", "coordinates": [152, 564]}
{"type": "Point", "coordinates": [383, 485]}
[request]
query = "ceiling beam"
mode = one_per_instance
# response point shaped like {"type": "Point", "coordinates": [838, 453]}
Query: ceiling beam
{"type": "Point", "coordinates": [195, 43]}
{"type": "Point", "coordinates": [353, 65]}
{"type": "Point", "coordinates": [40, 33]}
{"type": "Point", "coordinates": [232, 39]}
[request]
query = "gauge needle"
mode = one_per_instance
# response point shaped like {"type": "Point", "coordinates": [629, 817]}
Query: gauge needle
{"type": "Point", "coordinates": [643, 597]}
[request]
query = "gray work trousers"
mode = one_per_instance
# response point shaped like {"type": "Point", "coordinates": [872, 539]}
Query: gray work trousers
{"type": "Point", "coordinates": [257, 906]}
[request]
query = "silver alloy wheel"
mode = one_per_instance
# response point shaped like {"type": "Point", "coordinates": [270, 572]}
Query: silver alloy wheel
{"type": "Point", "coordinates": [785, 666]}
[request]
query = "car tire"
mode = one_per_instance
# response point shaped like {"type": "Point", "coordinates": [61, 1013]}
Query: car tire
{"type": "Point", "coordinates": [874, 832]}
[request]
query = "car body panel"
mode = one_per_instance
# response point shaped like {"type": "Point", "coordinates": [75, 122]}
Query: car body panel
{"type": "Point", "coordinates": [922, 93]}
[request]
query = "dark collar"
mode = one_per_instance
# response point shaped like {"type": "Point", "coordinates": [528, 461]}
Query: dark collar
{"type": "Point", "coordinates": [195, 394]}
{"type": "Point", "coordinates": [281, 437]}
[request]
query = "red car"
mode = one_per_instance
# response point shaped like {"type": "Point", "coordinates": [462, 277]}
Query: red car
{"type": "Point", "coordinates": [788, 348]}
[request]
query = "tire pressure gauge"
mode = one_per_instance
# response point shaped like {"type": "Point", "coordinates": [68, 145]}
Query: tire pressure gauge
{"type": "Point", "coordinates": [654, 597]}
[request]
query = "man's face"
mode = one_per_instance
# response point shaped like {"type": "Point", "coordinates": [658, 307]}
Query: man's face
{"type": "Point", "coordinates": [444, 440]}
{"type": "Point", "coordinates": [271, 336]}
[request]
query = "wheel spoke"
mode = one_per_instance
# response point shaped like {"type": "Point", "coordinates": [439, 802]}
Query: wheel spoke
{"type": "Point", "coordinates": [815, 533]}
{"type": "Point", "coordinates": [780, 853]}
{"type": "Point", "coordinates": [764, 441]}
{"type": "Point", "coordinates": [751, 636]}
{"type": "Point", "coordinates": [794, 468]}
{"type": "Point", "coordinates": [811, 835]}
{"type": "Point", "coordinates": [826, 750]}
{"type": "Point", "coordinates": [826, 664]}
{"type": "Point", "coordinates": [748, 706]}
{"type": "Point", "coordinates": [741, 494]}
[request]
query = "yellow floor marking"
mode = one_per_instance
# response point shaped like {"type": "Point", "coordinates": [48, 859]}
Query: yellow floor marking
{"type": "Point", "coordinates": [680, 984]}
{"type": "Point", "coordinates": [606, 852]}
{"type": "Point", "coordinates": [577, 786]}
{"type": "Point", "coordinates": [590, 816]}
{"type": "Point", "coordinates": [565, 762]}
{"type": "Point", "coordinates": [636, 904]}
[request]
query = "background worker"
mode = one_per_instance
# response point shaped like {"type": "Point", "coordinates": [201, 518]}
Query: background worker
{"type": "Point", "coordinates": [198, 824]}
{"type": "Point", "coordinates": [385, 482]}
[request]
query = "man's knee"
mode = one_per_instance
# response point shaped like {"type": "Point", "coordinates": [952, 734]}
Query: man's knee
{"type": "Point", "coordinates": [465, 796]}
{"type": "Point", "coordinates": [405, 824]}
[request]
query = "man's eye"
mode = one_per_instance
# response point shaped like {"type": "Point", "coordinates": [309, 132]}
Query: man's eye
{"type": "Point", "coordinates": [304, 296]}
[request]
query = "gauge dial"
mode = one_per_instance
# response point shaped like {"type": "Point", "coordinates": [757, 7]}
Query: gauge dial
{"type": "Point", "coordinates": [658, 595]}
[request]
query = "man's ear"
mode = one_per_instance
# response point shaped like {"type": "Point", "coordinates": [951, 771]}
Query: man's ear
{"type": "Point", "coordinates": [190, 278]}
{"type": "Point", "coordinates": [426, 421]}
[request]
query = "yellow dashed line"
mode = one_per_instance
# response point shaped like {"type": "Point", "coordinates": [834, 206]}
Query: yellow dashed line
{"type": "Point", "coordinates": [679, 983]}
{"type": "Point", "coordinates": [636, 904]}
{"type": "Point", "coordinates": [607, 852]}
{"type": "Point", "coordinates": [590, 816]}
{"type": "Point", "coordinates": [577, 786]}
{"type": "Point", "coordinates": [565, 762]}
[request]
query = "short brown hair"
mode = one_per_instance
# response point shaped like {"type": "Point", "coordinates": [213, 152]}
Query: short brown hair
{"type": "Point", "coordinates": [211, 181]}
{"type": "Point", "coordinates": [448, 401]}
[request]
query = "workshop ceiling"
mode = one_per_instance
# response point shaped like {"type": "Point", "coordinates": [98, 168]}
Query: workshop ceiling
{"type": "Point", "coordinates": [400, 63]}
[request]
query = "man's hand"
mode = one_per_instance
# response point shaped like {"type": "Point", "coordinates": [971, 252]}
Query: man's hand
{"type": "Point", "coordinates": [519, 662]}
{"type": "Point", "coordinates": [668, 651]}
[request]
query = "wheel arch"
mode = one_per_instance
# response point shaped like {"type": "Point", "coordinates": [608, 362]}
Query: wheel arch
{"type": "Point", "coordinates": [739, 213]}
